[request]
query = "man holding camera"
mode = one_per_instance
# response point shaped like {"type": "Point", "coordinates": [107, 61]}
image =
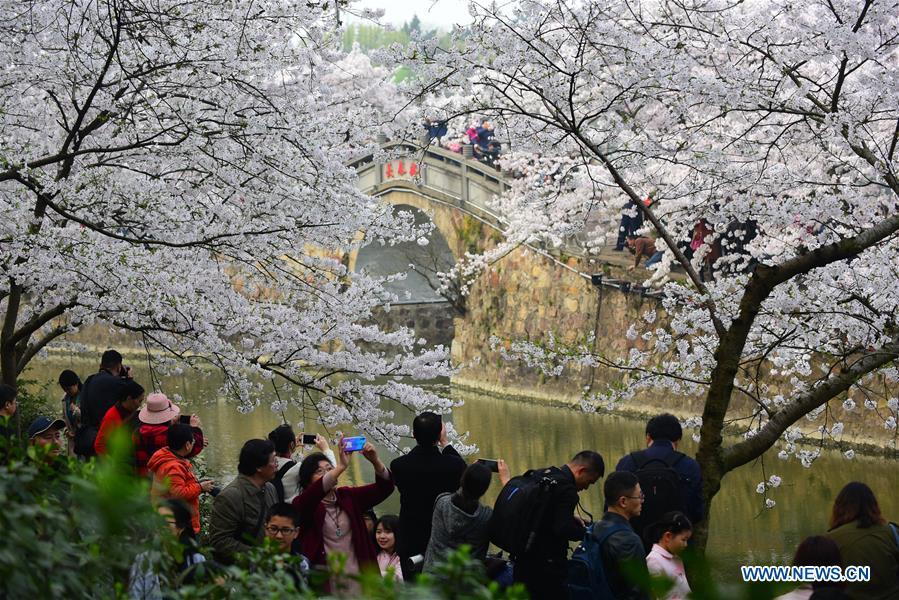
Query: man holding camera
{"type": "Point", "coordinates": [101, 391]}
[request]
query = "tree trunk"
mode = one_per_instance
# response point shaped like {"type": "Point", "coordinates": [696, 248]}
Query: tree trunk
{"type": "Point", "coordinates": [711, 484]}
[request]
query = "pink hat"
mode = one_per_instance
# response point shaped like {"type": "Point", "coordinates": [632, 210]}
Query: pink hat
{"type": "Point", "coordinates": [158, 410]}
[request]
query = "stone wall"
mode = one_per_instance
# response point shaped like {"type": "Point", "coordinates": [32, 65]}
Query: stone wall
{"type": "Point", "coordinates": [528, 296]}
{"type": "Point", "coordinates": [432, 321]}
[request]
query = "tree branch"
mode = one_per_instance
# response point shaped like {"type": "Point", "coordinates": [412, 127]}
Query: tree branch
{"type": "Point", "coordinates": [745, 451]}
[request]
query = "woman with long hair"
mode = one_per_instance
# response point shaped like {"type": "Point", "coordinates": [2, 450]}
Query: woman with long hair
{"type": "Point", "coordinates": [815, 551]}
{"type": "Point", "coordinates": [865, 539]}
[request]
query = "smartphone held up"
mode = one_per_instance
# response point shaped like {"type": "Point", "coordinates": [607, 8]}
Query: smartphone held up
{"type": "Point", "coordinates": [490, 463]}
{"type": "Point", "coordinates": [353, 444]}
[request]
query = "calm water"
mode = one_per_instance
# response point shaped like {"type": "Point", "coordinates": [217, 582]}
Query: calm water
{"type": "Point", "coordinates": [529, 435]}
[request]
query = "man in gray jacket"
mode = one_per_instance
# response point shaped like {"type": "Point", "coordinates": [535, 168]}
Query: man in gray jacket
{"type": "Point", "coordinates": [238, 511]}
{"type": "Point", "coordinates": [622, 552]}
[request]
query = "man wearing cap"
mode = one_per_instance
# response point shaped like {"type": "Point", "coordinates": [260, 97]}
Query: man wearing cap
{"type": "Point", "coordinates": [47, 432]}
{"type": "Point", "coordinates": [157, 415]}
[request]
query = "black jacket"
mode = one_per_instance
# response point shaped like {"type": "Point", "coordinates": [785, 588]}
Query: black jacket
{"type": "Point", "coordinates": [421, 476]}
{"type": "Point", "coordinates": [100, 392]}
{"type": "Point", "coordinates": [688, 470]}
{"type": "Point", "coordinates": [619, 548]}
{"type": "Point", "coordinates": [558, 526]}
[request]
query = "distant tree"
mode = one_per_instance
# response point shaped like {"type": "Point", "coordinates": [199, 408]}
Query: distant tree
{"type": "Point", "coordinates": [414, 24]}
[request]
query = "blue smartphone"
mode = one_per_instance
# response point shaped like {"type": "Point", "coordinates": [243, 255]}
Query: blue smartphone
{"type": "Point", "coordinates": [353, 444]}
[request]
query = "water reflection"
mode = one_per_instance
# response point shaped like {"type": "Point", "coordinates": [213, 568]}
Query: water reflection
{"type": "Point", "coordinates": [530, 435]}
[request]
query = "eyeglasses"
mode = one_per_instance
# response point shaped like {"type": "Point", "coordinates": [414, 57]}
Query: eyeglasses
{"type": "Point", "coordinates": [273, 530]}
{"type": "Point", "coordinates": [642, 496]}
{"type": "Point", "coordinates": [323, 470]}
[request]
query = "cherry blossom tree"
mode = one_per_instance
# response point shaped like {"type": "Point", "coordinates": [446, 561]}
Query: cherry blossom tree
{"type": "Point", "coordinates": [177, 170]}
{"type": "Point", "coordinates": [773, 124]}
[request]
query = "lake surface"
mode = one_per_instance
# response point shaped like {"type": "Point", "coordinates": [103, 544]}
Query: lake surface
{"type": "Point", "coordinates": [529, 435]}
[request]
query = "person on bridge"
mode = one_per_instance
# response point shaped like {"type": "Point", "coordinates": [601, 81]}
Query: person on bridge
{"type": "Point", "coordinates": [672, 479]}
{"type": "Point", "coordinates": [640, 246]}
{"type": "Point", "coordinates": [432, 468]}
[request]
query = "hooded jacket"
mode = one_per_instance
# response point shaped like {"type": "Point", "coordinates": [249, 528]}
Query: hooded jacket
{"type": "Point", "coordinates": [150, 438]}
{"type": "Point", "coordinates": [453, 527]}
{"type": "Point", "coordinates": [173, 477]}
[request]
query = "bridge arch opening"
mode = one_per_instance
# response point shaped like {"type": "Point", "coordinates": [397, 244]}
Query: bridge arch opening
{"type": "Point", "coordinates": [420, 261]}
{"type": "Point", "coordinates": [419, 306]}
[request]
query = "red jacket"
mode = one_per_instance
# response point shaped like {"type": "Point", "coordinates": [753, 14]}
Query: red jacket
{"type": "Point", "coordinates": [150, 438]}
{"type": "Point", "coordinates": [112, 420]}
{"type": "Point", "coordinates": [173, 477]}
{"type": "Point", "coordinates": [354, 501]}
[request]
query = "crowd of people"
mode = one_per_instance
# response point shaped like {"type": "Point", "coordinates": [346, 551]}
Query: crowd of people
{"type": "Point", "coordinates": [653, 500]}
{"type": "Point", "coordinates": [479, 136]}
{"type": "Point", "coordinates": [731, 243]}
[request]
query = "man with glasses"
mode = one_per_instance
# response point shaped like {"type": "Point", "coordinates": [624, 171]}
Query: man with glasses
{"type": "Point", "coordinates": [622, 551]}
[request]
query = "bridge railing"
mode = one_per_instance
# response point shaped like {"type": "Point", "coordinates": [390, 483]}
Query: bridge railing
{"type": "Point", "coordinates": [460, 181]}
{"type": "Point", "coordinates": [464, 182]}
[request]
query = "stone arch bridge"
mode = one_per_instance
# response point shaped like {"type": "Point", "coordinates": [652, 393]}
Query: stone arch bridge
{"type": "Point", "coordinates": [452, 192]}
{"type": "Point", "coordinates": [531, 293]}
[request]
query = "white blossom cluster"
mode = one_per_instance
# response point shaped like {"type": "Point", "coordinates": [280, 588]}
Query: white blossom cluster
{"type": "Point", "coordinates": [179, 170]}
{"type": "Point", "coordinates": [771, 123]}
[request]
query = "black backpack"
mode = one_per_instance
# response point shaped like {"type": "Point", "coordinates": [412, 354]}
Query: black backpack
{"type": "Point", "coordinates": [587, 578]}
{"type": "Point", "coordinates": [661, 485]}
{"type": "Point", "coordinates": [519, 510]}
{"type": "Point", "coordinates": [277, 481]}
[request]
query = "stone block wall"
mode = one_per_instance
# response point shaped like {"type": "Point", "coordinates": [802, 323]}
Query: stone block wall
{"type": "Point", "coordinates": [528, 296]}
{"type": "Point", "coordinates": [432, 321]}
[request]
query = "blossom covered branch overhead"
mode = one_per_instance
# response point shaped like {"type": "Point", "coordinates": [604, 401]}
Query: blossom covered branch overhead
{"type": "Point", "coordinates": [179, 170]}
{"type": "Point", "coordinates": [779, 117]}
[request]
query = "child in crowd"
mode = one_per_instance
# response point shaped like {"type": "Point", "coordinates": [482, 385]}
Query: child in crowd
{"type": "Point", "coordinates": [282, 526]}
{"type": "Point", "coordinates": [385, 536]}
{"type": "Point", "coordinates": [670, 535]}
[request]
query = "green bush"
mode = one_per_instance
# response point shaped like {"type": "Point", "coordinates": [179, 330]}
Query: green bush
{"type": "Point", "coordinates": [73, 529]}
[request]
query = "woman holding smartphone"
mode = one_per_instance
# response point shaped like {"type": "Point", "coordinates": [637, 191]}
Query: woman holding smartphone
{"type": "Point", "coordinates": [333, 517]}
